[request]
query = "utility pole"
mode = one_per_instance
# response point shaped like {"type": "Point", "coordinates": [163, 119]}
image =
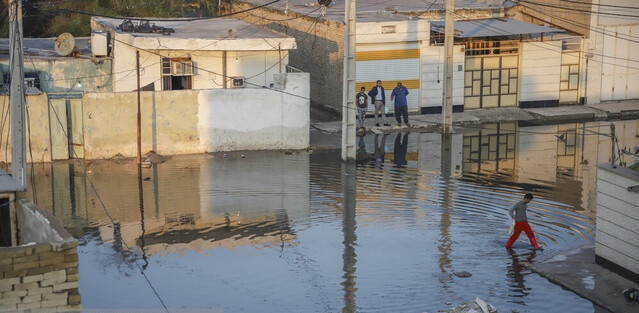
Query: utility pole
{"type": "Point", "coordinates": [17, 100]}
{"type": "Point", "coordinates": [139, 126]}
{"type": "Point", "coordinates": [447, 105]}
{"type": "Point", "coordinates": [348, 95]}
{"type": "Point", "coordinates": [613, 140]}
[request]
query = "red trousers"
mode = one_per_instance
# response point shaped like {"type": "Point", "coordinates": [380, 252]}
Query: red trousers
{"type": "Point", "coordinates": [519, 226]}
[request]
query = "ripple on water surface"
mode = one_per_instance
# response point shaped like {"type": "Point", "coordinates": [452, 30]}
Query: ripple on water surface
{"type": "Point", "coordinates": [304, 232]}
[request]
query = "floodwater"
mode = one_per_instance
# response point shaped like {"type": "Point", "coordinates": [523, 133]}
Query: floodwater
{"type": "Point", "coordinates": [305, 232]}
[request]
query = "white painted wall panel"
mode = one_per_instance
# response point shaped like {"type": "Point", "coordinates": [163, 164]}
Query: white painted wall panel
{"type": "Point", "coordinates": [610, 234]}
{"type": "Point", "coordinates": [616, 212]}
{"type": "Point", "coordinates": [413, 30]}
{"type": "Point", "coordinates": [617, 12]}
{"type": "Point", "coordinates": [619, 63]}
{"type": "Point", "coordinates": [404, 45]}
{"type": "Point", "coordinates": [617, 238]}
{"type": "Point", "coordinates": [540, 71]}
{"type": "Point", "coordinates": [256, 119]}
{"type": "Point", "coordinates": [617, 257]}
{"type": "Point", "coordinates": [432, 75]}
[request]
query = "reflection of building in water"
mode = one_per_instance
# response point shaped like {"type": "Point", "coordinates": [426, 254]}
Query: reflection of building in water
{"type": "Point", "coordinates": [248, 187]}
{"type": "Point", "coordinates": [491, 148]}
{"type": "Point", "coordinates": [429, 147]}
{"type": "Point", "coordinates": [564, 153]}
{"type": "Point", "coordinates": [196, 202]}
{"type": "Point", "coordinates": [221, 232]}
{"type": "Point", "coordinates": [536, 154]}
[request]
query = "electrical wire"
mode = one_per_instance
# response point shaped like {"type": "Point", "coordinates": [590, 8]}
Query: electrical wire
{"type": "Point", "coordinates": [106, 211]}
{"type": "Point", "coordinates": [577, 10]}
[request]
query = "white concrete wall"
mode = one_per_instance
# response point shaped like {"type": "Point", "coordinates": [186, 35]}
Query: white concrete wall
{"type": "Point", "coordinates": [249, 119]}
{"type": "Point", "coordinates": [405, 31]}
{"type": "Point", "coordinates": [432, 76]}
{"type": "Point", "coordinates": [169, 123]}
{"type": "Point", "coordinates": [258, 67]}
{"type": "Point", "coordinates": [619, 69]}
{"type": "Point", "coordinates": [540, 71]}
{"type": "Point", "coordinates": [612, 71]}
{"type": "Point", "coordinates": [617, 238]}
{"type": "Point", "coordinates": [192, 121]}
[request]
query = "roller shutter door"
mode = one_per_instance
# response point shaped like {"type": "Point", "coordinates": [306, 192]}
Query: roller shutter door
{"type": "Point", "coordinates": [390, 63]}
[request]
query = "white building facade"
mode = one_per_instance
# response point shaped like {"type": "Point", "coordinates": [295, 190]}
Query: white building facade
{"type": "Point", "coordinates": [491, 67]}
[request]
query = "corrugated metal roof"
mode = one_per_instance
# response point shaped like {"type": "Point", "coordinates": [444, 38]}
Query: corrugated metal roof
{"type": "Point", "coordinates": [493, 27]}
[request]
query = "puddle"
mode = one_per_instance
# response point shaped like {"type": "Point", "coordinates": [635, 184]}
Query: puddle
{"type": "Point", "coordinates": [304, 232]}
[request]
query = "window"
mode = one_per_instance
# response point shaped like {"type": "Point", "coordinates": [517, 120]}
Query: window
{"type": "Point", "coordinates": [177, 73]}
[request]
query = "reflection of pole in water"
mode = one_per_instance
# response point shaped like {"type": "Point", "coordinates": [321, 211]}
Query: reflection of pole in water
{"type": "Point", "coordinates": [349, 189]}
{"type": "Point", "coordinates": [447, 154]}
{"type": "Point", "coordinates": [445, 241]}
{"type": "Point", "coordinates": [156, 193]}
{"type": "Point", "coordinates": [141, 199]}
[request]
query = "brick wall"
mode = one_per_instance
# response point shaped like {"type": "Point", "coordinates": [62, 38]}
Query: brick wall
{"type": "Point", "coordinates": [320, 49]}
{"type": "Point", "coordinates": [573, 15]}
{"type": "Point", "coordinates": [39, 277]}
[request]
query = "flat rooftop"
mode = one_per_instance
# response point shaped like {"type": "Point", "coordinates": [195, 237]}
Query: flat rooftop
{"type": "Point", "coordinates": [376, 10]}
{"type": "Point", "coordinates": [41, 48]}
{"type": "Point", "coordinates": [210, 28]}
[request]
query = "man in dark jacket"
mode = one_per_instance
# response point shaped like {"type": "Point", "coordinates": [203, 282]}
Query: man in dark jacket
{"type": "Point", "coordinates": [378, 96]}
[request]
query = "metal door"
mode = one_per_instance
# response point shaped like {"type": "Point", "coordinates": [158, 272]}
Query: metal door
{"type": "Point", "coordinates": [491, 81]}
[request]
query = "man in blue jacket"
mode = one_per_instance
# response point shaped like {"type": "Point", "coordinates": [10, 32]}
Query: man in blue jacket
{"type": "Point", "coordinates": [378, 96]}
{"type": "Point", "coordinates": [401, 105]}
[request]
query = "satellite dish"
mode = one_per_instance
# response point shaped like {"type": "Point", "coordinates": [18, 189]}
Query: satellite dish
{"type": "Point", "coordinates": [64, 44]}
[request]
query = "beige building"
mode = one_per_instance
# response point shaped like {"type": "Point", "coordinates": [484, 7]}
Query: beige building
{"type": "Point", "coordinates": [204, 86]}
{"type": "Point", "coordinates": [501, 57]}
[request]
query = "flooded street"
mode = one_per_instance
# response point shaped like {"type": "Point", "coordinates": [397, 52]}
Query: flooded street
{"type": "Point", "coordinates": [305, 232]}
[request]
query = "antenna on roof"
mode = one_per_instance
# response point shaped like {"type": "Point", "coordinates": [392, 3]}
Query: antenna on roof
{"type": "Point", "coordinates": [324, 4]}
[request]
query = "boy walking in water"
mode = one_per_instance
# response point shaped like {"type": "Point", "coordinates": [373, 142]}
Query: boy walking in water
{"type": "Point", "coordinates": [518, 213]}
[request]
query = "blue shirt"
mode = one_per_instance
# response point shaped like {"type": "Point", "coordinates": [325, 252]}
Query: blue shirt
{"type": "Point", "coordinates": [400, 96]}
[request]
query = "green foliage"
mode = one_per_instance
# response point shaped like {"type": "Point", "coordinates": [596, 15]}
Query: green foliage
{"type": "Point", "coordinates": [52, 17]}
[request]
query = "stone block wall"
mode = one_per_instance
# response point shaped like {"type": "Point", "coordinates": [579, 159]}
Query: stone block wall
{"type": "Point", "coordinates": [320, 49]}
{"type": "Point", "coordinates": [39, 276]}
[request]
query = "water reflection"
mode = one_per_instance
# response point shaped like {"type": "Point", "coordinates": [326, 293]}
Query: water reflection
{"type": "Point", "coordinates": [300, 232]}
{"type": "Point", "coordinates": [517, 273]}
{"type": "Point", "coordinates": [349, 190]}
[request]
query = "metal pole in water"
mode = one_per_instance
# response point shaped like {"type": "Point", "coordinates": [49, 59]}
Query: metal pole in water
{"type": "Point", "coordinates": [447, 105]}
{"type": "Point", "coordinates": [137, 60]}
{"type": "Point", "coordinates": [348, 95]}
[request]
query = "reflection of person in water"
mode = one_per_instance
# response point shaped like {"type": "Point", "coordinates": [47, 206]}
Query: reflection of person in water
{"type": "Point", "coordinates": [362, 155]}
{"type": "Point", "coordinates": [515, 271]}
{"type": "Point", "coordinates": [399, 152]}
{"type": "Point", "coordinates": [380, 151]}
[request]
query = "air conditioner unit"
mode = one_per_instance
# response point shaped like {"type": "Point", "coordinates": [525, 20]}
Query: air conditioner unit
{"type": "Point", "coordinates": [237, 82]}
{"type": "Point", "coordinates": [182, 68]}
